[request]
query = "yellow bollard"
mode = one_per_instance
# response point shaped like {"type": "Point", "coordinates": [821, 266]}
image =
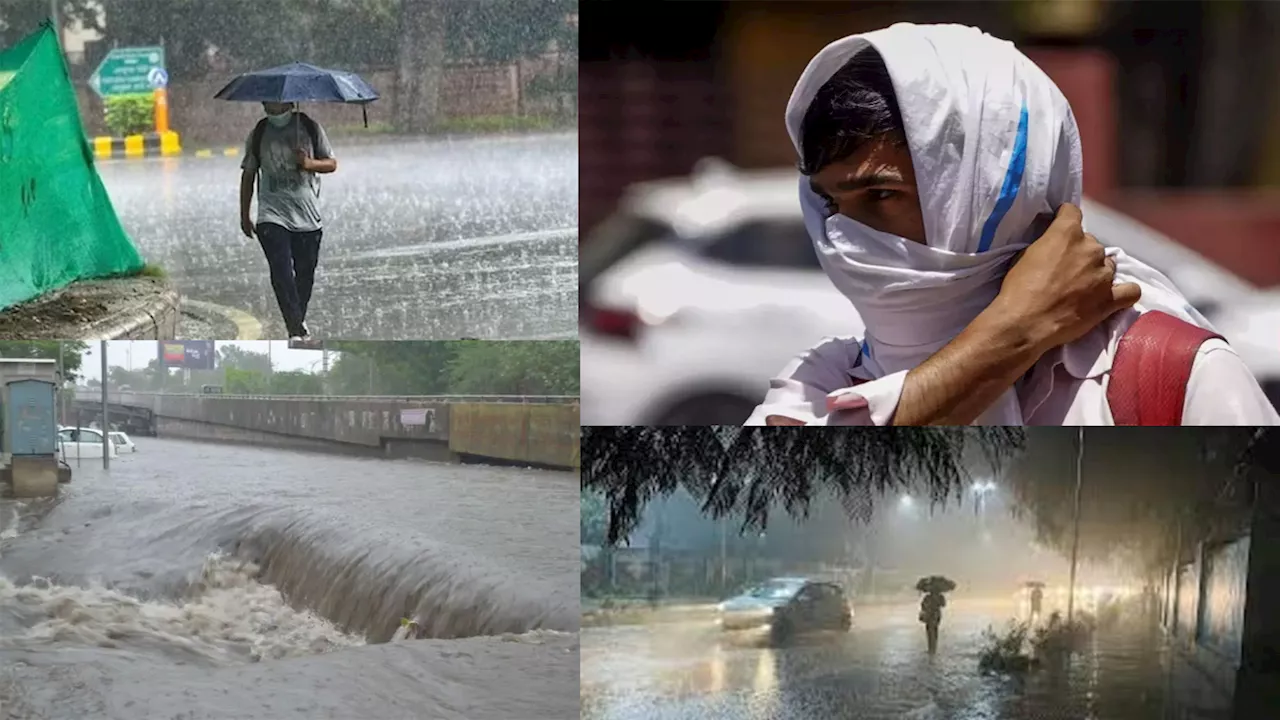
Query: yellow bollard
{"type": "Point", "coordinates": [170, 144]}
{"type": "Point", "coordinates": [133, 146]}
{"type": "Point", "coordinates": [162, 110]}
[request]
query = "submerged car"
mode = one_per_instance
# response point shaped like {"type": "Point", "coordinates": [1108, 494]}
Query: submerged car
{"type": "Point", "coordinates": [122, 441]}
{"type": "Point", "coordinates": [784, 606]}
{"type": "Point", "coordinates": [83, 443]}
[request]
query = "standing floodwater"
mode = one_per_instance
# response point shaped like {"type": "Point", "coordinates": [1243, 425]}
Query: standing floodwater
{"type": "Point", "coordinates": [231, 581]}
{"type": "Point", "coordinates": [423, 238]}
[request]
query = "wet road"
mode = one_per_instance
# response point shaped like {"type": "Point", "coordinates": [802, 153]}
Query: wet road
{"type": "Point", "coordinates": [424, 239]}
{"type": "Point", "coordinates": [878, 670]}
{"type": "Point", "coordinates": [155, 590]}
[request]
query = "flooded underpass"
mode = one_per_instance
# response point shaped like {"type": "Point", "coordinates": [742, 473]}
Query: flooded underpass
{"type": "Point", "coordinates": [687, 669]}
{"type": "Point", "coordinates": [423, 238]}
{"type": "Point", "coordinates": [218, 581]}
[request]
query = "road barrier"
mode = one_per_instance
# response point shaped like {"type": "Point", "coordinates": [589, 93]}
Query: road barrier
{"type": "Point", "coordinates": [150, 144]}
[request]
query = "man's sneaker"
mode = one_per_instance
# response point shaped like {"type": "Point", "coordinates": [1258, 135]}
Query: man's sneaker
{"type": "Point", "coordinates": [295, 339]}
{"type": "Point", "coordinates": [306, 332]}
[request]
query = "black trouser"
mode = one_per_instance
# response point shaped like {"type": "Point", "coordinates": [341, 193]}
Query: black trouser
{"type": "Point", "coordinates": [931, 635]}
{"type": "Point", "coordinates": [292, 257]}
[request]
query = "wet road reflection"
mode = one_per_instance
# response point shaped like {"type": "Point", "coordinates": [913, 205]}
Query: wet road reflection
{"type": "Point", "coordinates": [423, 239]}
{"type": "Point", "coordinates": [880, 669]}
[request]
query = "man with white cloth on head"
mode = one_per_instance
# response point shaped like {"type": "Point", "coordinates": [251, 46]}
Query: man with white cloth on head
{"type": "Point", "coordinates": [932, 157]}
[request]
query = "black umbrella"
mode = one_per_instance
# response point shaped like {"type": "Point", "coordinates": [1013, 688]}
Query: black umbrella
{"type": "Point", "coordinates": [935, 583]}
{"type": "Point", "coordinates": [298, 83]}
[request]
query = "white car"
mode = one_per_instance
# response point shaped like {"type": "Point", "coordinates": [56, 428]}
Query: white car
{"type": "Point", "coordinates": [699, 290]}
{"type": "Point", "coordinates": [122, 442]}
{"type": "Point", "coordinates": [83, 444]}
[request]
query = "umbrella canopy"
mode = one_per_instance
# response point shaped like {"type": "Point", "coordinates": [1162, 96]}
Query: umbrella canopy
{"type": "Point", "coordinates": [1033, 584]}
{"type": "Point", "coordinates": [935, 583]}
{"type": "Point", "coordinates": [298, 82]}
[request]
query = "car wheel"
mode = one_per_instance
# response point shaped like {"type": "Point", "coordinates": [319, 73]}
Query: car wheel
{"type": "Point", "coordinates": [781, 630]}
{"type": "Point", "coordinates": [716, 409]}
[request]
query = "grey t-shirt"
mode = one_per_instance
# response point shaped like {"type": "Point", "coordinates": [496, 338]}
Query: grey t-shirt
{"type": "Point", "coordinates": [287, 196]}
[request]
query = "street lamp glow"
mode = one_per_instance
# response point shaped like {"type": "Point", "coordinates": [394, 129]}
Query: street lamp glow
{"type": "Point", "coordinates": [906, 501]}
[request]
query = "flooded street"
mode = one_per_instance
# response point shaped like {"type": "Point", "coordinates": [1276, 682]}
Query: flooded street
{"type": "Point", "coordinates": [423, 239]}
{"type": "Point", "coordinates": [220, 581]}
{"type": "Point", "coordinates": [880, 669]}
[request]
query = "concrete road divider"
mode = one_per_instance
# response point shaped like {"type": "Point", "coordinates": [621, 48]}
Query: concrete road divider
{"type": "Point", "coordinates": [151, 144]}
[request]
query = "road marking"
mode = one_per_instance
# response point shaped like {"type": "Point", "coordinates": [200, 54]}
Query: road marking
{"type": "Point", "coordinates": [483, 241]}
{"type": "Point", "coordinates": [248, 327]}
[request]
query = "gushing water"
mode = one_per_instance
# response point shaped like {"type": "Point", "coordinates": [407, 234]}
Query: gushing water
{"type": "Point", "coordinates": [276, 578]}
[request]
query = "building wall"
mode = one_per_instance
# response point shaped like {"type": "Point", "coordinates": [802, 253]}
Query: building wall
{"type": "Point", "coordinates": [1188, 594]}
{"type": "Point", "coordinates": [465, 91]}
{"type": "Point", "coordinates": [1226, 571]}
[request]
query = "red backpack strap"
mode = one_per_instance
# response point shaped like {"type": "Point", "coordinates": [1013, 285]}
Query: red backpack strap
{"type": "Point", "coordinates": [1152, 366]}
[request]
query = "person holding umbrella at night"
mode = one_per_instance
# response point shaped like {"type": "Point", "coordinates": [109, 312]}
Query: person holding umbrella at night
{"type": "Point", "coordinates": [931, 606]}
{"type": "Point", "coordinates": [284, 155]}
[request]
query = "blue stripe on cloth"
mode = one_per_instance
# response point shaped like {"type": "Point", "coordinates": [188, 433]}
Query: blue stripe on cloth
{"type": "Point", "coordinates": [1009, 190]}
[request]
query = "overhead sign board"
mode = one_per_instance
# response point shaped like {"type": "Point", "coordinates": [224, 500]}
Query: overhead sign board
{"type": "Point", "coordinates": [188, 354]}
{"type": "Point", "coordinates": [129, 71]}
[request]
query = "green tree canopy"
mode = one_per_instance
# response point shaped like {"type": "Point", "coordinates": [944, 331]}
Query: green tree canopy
{"type": "Point", "coordinates": [72, 353]}
{"type": "Point", "coordinates": [456, 368]}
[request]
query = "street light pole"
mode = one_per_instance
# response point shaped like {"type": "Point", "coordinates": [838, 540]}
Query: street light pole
{"type": "Point", "coordinates": [57, 23]}
{"type": "Point", "coordinates": [1075, 539]}
{"type": "Point", "coordinates": [106, 421]}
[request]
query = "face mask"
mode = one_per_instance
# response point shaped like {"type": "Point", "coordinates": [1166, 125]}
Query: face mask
{"type": "Point", "coordinates": [280, 120]}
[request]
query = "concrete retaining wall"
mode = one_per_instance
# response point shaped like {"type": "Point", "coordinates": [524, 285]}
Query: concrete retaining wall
{"type": "Point", "coordinates": [356, 422]}
{"type": "Point", "coordinates": [435, 450]}
{"type": "Point", "coordinates": [546, 435]}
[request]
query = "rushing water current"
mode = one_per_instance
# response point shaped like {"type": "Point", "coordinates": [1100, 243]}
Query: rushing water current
{"type": "Point", "coordinates": [218, 581]}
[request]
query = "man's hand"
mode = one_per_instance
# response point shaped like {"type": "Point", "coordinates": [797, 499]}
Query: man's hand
{"type": "Point", "coordinates": [304, 160]}
{"type": "Point", "coordinates": [246, 226]}
{"type": "Point", "coordinates": [1061, 287]}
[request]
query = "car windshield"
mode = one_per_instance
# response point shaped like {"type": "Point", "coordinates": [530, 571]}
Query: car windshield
{"type": "Point", "coordinates": [117, 437]}
{"type": "Point", "coordinates": [774, 590]}
{"type": "Point", "coordinates": [614, 239]}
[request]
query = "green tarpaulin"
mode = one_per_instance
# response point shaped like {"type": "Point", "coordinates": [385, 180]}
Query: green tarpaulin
{"type": "Point", "coordinates": [56, 221]}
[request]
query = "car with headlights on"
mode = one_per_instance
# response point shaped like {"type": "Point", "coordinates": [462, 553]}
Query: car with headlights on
{"type": "Point", "coordinates": [785, 606]}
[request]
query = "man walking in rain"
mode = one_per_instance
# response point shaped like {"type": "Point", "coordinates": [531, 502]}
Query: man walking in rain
{"type": "Point", "coordinates": [931, 614]}
{"type": "Point", "coordinates": [284, 154]}
{"type": "Point", "coordinates": [941, 184]}
{"type": "Point", "coordinates": [1037, 598]}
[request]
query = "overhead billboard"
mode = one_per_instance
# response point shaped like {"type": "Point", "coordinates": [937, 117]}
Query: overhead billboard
{"type": "Point", "coordinates": [188, 354]}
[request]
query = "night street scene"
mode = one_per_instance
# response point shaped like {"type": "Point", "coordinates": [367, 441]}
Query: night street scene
{"type": "Point", "coordinates": [437, 198]}
{"type": "Point", "coordinates": [784, 573]}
